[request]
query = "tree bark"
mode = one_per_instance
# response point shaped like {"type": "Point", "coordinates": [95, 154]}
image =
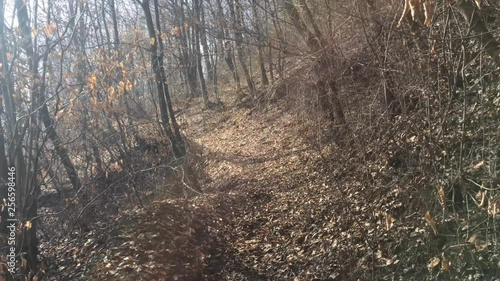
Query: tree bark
{"type": "Point", "coordinates": [256, 25]}
{"type": "Point", "coordinates": [4, 93]}
{"type": "Point", "coordinates": [201, 77]}
{"type": "Point", "coordinates": [189, 63]}
{"type": "Point", "coordinates": [204, 42]}
{"type": "Point", "coordinates": [226, 46]}
{"type": "Point", "coordinates": [116, 35]}
{"type": "Point", "coordinates": [279, 35]}
{"type": "Point", "coordinates": [237, 27]}
{"type": "Point", "coordinates": [165, 103]}
{"type": "Point", "coordinates": [27, 188]}
{"type": "Point", "coordinates": [39, 91]}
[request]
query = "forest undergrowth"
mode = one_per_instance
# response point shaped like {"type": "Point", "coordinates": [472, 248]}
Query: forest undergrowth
{"type": "Point", "coordinates": [284, 201]}
{"type": "Point", "coordinates": [249, 140]}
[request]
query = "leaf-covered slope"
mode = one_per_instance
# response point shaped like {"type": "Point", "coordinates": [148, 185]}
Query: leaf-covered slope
{"type": "Point", "coordinates": [276, 209]}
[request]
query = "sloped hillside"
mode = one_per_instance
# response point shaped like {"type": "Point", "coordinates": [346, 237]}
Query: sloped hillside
{"type": "Point", "coordinates": [278, 207]}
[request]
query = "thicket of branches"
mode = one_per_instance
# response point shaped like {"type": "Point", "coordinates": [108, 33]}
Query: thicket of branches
{"type": "Point", "coordinates": [411, 112]}
{"type": "Point", "coordinates": [90, 87]}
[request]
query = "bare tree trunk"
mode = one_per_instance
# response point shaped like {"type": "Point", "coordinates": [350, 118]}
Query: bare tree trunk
{"type": "Point", "coordinates": [165, 103]}
{"type": "Point", "coordinates": [228, 57]}
{"type": "Point", "coordinates": [201, 77]}
{"type": "Point", "coordinates": [237, 28]}
{"type": "Point", "coordinates": [28, 189]}
{"type": "Point", "coordinates": [204, 42]}
{"type": "Point", "coordinates": [116, 36]}
{"type": "Point", "coordinates": [190, 63]}
{"type": "Point", "coordinates": [105, 22]}
{"type": "Point", "coordinates": [215, 65]}
{"type": "Point", "coordinates": [5, 81]}
{"type": "Point", "coordinates": [226, 46]}
{"type": "Point", "coordinates": [269, 49]}
{"type": "Point", "coordinates": [79, 41]}
{"type": "Point", "coordinates": [256, 25]}
{"type": "Point", "coordinates": [95, 16]}
{"type": "Point", "coordinates": [23, 19]}
{"type": "Point", "coordinates": [177, 134]}
{"type": "Point", "coordinates": [279, 35]}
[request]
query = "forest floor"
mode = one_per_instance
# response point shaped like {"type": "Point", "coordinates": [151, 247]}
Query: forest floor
{"type": "Point", "coordinates": [269, 212]}
{"type": "Point", "coordinates": [257, 170]}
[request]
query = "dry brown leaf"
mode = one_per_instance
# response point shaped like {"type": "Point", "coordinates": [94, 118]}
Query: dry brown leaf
{"type": "Point", "coordinates": [49, 29]}
{"type": "Point", "coordinates": [478, 165]}
{"type": "Point", "coordinates": [445, 264]}
{"type": "Point", "coordinates": [432, 223]}
{"type": "Point", "coordinates": [24, 262]}
{"type": "Point", "coordinates": [388, 221]}
{"type": "Point", "coordinates": [175, 31]}
{"type": "Point", "coordinates": [481, 245]}
{"type": "Point", "coordinates": [415, 8]}
{"type": "Point", "coordinates": [433, 263]}
{"type": "Point", "coordinates": [493, 206]}
{"type": "Point", "coordinates": [429, 11]}
{"type": "Point", "coordinates": [442, 197]}
{"type": "Point", "coordinates": [481, 197]}
{"type": "Point", "coordinates": [472, 239]}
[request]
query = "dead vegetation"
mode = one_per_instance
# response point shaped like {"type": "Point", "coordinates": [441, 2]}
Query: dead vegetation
{"type": "Point", "coordinates": [405, 189]}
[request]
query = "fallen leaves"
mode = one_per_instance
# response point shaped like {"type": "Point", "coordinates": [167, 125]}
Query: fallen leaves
{"type": "Point", "coordinates": [275, 211]}
{"type": "Point", "coordinates": [389, 221]}
{"type": "Point", "coordinates": [479, 243]}
{"type": "Point", "coordinates": [493, 206]}
{"type": "Point", "coordinates": [442, 197]}
{"type": "Point", "coordinates": [431, 222]}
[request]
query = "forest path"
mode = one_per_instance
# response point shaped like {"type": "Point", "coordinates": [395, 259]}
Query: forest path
{"type": "Point", "coordinates": [253, 163]}
{"type": "Point", "coordinates": [270, 210]}
{"type": "Point", "coordinates": [242, 146]}
{"type": "Point", "coordinates": [261, 194]}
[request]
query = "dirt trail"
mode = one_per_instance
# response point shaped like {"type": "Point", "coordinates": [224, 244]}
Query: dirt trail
{"type": "Point", "coordinates": [258, 196]}
{"type": "Point", "coordinates": [243, 146]}
{"type": "Point", "coordinates": [277, 210]}
{"type": "Point", "coordinates": [252, 158]}
{"type": "Point", "coordinates": [271, 210]}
